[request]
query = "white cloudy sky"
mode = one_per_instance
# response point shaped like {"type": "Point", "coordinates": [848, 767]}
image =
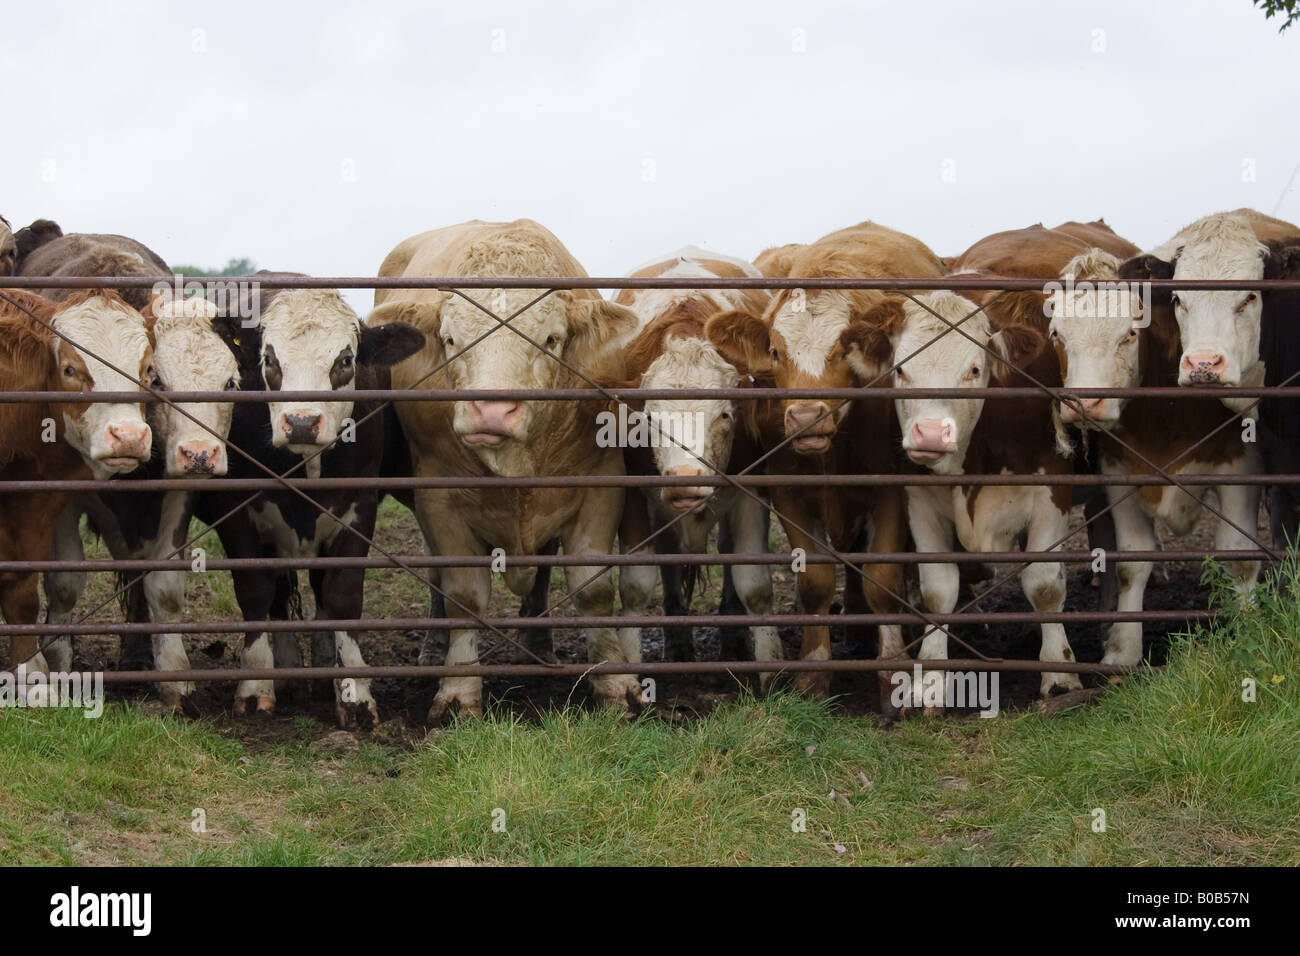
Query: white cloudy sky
{"type": "Point", "coordinates": [316, 140]}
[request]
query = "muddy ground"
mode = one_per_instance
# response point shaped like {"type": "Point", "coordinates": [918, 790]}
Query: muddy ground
{"type": "Point", "coordinates": [394, 593]}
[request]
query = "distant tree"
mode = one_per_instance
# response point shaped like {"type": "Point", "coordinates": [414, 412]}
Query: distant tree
{"type": "Point", "coordinates": [1290, 9]}
{"type": "Point", "coordinates": [234, 267]}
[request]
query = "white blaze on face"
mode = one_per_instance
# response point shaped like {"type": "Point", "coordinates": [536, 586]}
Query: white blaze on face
{"type": "Point", "coordinates": [811, 334]}
{"type": "Point", "coordinates": [189, 356]}
{"type": "Point", "coordinates": [502, 360]}
{"type": "Point", "coordinates": [112, 438]}
{"type": "Point", "coordinates": [937, 431]}
{"type": "Point", "coordinates": [705, 426]}
{"type": "Point", "coordinates": [309, 343]}
{"type": "Point", "coordinates": [1219, 330]}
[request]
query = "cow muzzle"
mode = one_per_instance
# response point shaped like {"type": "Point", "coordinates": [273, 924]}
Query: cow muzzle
{"type": "Point", "coordinates": [1202, 368]}
{"type": "Point", "coordinates": [199, 458]}
{"type": "Point", "coordinates": [1085, 412]}
{"type": "Point", "coordinates": [301, 428]}
{"type": "Point", "coordinates": [930, 440]}
{"type": "Point", "coordinates": [813, 424]}
{"type": "Point", "coordinates": [127, 445]}
{"type": "Point", "coordinates": [685, 497]}
{"type": "Point", "coordinates": [491, 423]}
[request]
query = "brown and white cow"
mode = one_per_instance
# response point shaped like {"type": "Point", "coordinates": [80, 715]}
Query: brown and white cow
{"type": "Point", "coordinates": [1107, 337]}
{"type": "Point", "coordinates": [953, 436]}
{"type": "Point", "coordinates": [569, 335]}
{"type": "Point", "coordinates": [799, 341]}
{"type": "Point", "coordinates": [60, 439]}
{"type": "Point", "coordinates": [8, 249]}
{"type": "Point", "coordinates": [776, 261]}
{"type": "Point", "coordinates": [691, 437]}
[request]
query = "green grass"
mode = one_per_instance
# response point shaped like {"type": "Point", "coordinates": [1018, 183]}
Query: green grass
{"type": "Point", "coordinates": [1185, 770]}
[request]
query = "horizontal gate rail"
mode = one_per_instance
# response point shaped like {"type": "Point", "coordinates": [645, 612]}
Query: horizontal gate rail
{"type": "Point", "coordinates": [629, 620]}
{"type": "Point", "coordinates": [630, 481]}
{"type": "Point", "coordinates": [643, 668]}
{"type": "Point", "coordinates": [776, 558]}
{"type": "Point", "coordinates": [756, 393]}
{"type": "Point", "coordinates": [448, 283]}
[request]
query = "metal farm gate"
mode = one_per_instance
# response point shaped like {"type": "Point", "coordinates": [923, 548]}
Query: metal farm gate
{"type": "Point", "coordinates": [751, 481]}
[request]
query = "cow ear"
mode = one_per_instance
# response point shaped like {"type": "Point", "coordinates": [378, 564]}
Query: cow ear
{"type": "Point", "coordinates": [1282, 260]}
{"type": "Point", "coordinates": [1016, 346]}
{"type": "Point", "coordinates": [869, 350]}
{"type": "Point", "coordinates": [388, 344]}
{"type": "Point", "coordinates": [741, 338]}
{"type": "Point", "coordinates": [424, 316]}
{"type": "Point", "coordinates": [1146, 266]}
{"type": "Point", "coordinates": [596, 325]}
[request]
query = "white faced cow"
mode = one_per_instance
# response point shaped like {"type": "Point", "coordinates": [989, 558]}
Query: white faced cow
{"type": "Point", "coordinates": [692, 437]}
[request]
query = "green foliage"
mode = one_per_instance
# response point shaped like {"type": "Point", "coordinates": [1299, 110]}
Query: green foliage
{"type": "Point", "coordinates": [234, 267]}
{"type": "Point", "coordinates": [1289, 9]}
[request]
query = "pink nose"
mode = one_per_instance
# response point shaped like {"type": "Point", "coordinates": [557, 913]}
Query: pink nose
{"type": "Point", "coordinates": [129, 440]}
{"type": "Point", "coordinates": [1203, 367]}
{"type": "Point", "coordinates": [198, 457]}
{"type": "Point", "coordinates": [683, 496]}
{"type": "Point", "coordinates": [495, 417]}
{"type": "Point", "coordinates": [933, 436]}
{"type": "Point", "coordinates": [1092, 408]}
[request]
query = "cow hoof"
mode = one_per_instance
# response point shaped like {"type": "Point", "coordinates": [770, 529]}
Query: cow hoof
{"type": "Point", "coordinates": [1053, 685]}
{"type": "Point", "coordinates": [814, 685]}
{"type": "Point", "coordinates": [362, 715]}
{"type": "Point", "coordinates": [255, 706]}
{"type": "Point", "coordinates": [182, 705]}
{"type": "Point", "coordinates": [445, 708]}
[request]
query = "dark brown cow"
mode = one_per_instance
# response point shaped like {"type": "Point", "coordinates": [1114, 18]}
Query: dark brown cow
{"type": "Point", "coordinates": [86, 254]}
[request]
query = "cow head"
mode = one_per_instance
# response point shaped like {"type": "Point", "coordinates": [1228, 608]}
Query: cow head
{"type": "Point", "coordinates": [112, 438]}
{"type": "Point", "coordinates": [695, 435]}
{"type": "Point", "coordinates": [1100, 334]}
{"type": "Point", "coordinates": [576, 330]}
{"type": "Point", "coordinates": [193, 352]}
{"type": "Point", "coordinates": [918, 335]}
{"type": "Point", "coordinates": [1219, 330]}
{"type": "Point", "coordinates": [312, 341]}
{"type": "Point", "coordinates": [799, 343]}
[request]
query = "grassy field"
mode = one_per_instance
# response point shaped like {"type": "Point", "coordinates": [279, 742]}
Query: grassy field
{"type": "Point", "coordinates": [1184, 770]}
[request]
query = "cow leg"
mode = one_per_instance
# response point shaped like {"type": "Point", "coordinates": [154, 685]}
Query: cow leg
{"type": "Point", "coordinates": [165, 594]}
{"type": "Point", "coordinates": [594, 533]}
{"type": "Point", "coordinates": [1241, 505]}
{"type": "Point", "coordinates": [340, 598]}
{"type": "Point", "coordinates": [731, 639]}
{"type": "Point", "coordinates": [882, 584]}
{"type": "Point", "coordinates": [1044, 586]}
{"type": "Point", "coordinates": [636, 583]}
{"type": "Point", "coordinates": [255, 593]}
{"type": "Point", "coordinates": [816, 587]}
{"type": "Point", "coordinates": [747, 527]}
{"type": "Point", "coordinates": [535, 604]}
{"type": "Point", "coordinates": [929, 513]}
{"type": "Point", "coordinates": [20, 601]}
{"type": "Point", "coordinates": [468, 592]}
{"type": "Point", "coordinates": [679, 641]}
{"type": "Point", "coordinates": [1101, 534]}
{"type": "Point", "coordinates": [63, 589]}
{"type": "Point", "coordinates": [1134, 531]}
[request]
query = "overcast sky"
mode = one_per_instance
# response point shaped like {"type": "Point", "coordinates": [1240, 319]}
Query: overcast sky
{"type": "Point", "coordinates": [315, 141]}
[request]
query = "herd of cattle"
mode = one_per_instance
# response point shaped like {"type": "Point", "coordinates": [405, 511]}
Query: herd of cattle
{"type": "Point", "coordinates": [1070, 333]}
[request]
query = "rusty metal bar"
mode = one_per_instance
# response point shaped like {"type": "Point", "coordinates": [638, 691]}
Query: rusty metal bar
{"type": "Point", "coordinates": [448, 283]}
{"type": "Point", "coordinates": [757, 393]}
{"type": "Point", "coordinates": [642, 668]}
{"type": "Point", "coordinates": [776, 558]}
{"type": "Point", "coordinates": [614, 621]}
{"type": "Point", "coordinates": [628, 481]}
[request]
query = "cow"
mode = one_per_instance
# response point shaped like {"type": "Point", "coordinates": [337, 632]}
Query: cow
{"type": "Point", "coordinates": [568, 339]}
{"type": "Point", "coordinates": [1106, 337]}
{"type": "Point", "coordinates": [1231, 338]}
{"type": "Point", "coordinates": [800, 341]}
{"type": "Point", "coordinates": [306, 340]}
{"type": "Point", "coordinates": [91, 254]}
{"type": "Point", "coordinates": [31, 237]}
{"type": "Point", "coordinates": [71, 346]}
{"type": "Point", "coordinates": [1279, 419]}
{"type": "Point", "coordinates": [194, 350]}
{"type": "Point", "coordinates": [955, 436]}
{"type": "Point", "coordinates": [695, 437]}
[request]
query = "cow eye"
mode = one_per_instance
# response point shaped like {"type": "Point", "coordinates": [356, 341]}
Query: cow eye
{"type": "Point", "coordinates": [725, 417]}
{"type": "Point", "coordinates": [69, 371]}
{"type": "Point", "coordinates": [974, 371]}
{"type": "Point", "coordinates": [1175, 301]}
{"type": "Point", "coordinates": [776, 356]}
{"type": "Point", "coordinates": [232, 384]}
{"type": "Point", "coordinates": [1247, 301]}
{"type": "Point", "coordinates": [552, 341]}
{"type": "Point", "coordinates": [346, 359]}
{"type": "Point", "coordinates": [449, 342]}
{"type": "Point", "coordinates": [1131, 334]}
